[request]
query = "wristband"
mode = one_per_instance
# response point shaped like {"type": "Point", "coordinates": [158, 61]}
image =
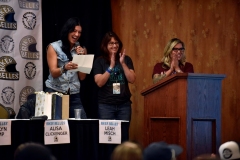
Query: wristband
{"type": "Point", "coordinates": [109, 70]}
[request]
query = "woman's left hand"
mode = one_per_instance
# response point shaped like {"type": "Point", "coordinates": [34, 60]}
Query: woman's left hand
{"type": "Point", "coordinates": [122, 56]}
{"type": "Point", "coordinates": [81, 50]}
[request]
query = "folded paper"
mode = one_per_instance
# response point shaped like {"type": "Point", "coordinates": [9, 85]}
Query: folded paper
{"type": "Point", "coordinates": [84, 63]}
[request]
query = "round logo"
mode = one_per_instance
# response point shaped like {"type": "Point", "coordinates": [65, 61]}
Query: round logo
{"type": "Point", "coordinates": [30, 70]}
{"type": "Point", "coordinates": [7, 44]}
{"type": "Point", "coordinates": [227, 153]}
{"type": "Point", "coordinates": [8, 95]}
{"type": "Point", "coordinates": [29, 20]}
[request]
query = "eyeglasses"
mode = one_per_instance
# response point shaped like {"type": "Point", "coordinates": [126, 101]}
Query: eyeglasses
{"type": "Point", "coordinates": [178, 49]}
{"type": "Point", "coordinates": [112, 43]}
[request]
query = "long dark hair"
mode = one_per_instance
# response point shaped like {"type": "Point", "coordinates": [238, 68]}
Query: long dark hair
{"type": "Point", "coordinates": [68, 27]}
{"type": "Point", "coordinates": [106, 39]}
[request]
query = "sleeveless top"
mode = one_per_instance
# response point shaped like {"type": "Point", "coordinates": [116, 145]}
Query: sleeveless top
{"type": "Point", "coordinates": [68, 80]}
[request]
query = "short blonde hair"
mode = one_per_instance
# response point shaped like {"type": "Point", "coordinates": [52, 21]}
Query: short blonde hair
{"type": "Point", "coordinates": [168, 50]}
{"type": "Point", "coordinates": [127, 151]}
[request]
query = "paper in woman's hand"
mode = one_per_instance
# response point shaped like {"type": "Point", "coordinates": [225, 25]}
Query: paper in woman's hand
{"type": "Point", "coordinates": [84, 62]}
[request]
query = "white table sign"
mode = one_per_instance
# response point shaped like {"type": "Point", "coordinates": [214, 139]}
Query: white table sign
{"type": "Point", "coordinates": [56, 132]}
{"type": "Point", "coordinates": [5, 131]}
{"type": "Point", "coordinates": [110, 131]}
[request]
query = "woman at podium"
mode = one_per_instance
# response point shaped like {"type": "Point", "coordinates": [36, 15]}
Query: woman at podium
{"type": "Point", "coordinates": [173, 61]}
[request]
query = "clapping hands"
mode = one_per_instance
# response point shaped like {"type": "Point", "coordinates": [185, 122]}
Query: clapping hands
{"type": "Point", "coordinates": [174, 62]}
{"type": "Point", "coordinates": [122, 56]}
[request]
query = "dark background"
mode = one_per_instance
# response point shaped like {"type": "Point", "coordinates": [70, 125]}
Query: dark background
{"type": "Point", "coordinates": [96, 19]}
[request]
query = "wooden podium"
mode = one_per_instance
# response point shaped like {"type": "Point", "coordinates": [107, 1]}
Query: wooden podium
{"type": "Point", "coordinates": [185, 109]}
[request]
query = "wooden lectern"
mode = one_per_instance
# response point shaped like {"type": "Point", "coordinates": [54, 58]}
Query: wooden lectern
{"type": "Point", "coordinates": [184, 109]}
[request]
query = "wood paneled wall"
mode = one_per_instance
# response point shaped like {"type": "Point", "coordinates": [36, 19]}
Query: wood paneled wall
{"type": "Point", "coordinates": [211, 32]}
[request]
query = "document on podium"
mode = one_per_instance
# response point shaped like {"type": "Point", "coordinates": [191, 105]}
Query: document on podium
{"type": "Point", "coordinates": [84, 62]}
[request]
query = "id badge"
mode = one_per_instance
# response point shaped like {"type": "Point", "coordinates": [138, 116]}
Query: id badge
{"type": "Point", "coordinates": [116, 88]}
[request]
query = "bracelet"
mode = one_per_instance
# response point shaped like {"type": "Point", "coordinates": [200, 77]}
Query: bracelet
{"type": "Point", "coordinates": [178, 71]}
{"type": "Point", "coordinates": [109, 70]}
{"type": "Point", "coordinates": [62, 69]}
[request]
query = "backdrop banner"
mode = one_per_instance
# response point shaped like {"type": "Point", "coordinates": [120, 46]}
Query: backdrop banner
{"type": "Point", "coordinates": [20, 51]}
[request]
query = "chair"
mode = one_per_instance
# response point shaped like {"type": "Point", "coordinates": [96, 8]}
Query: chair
{"type": "Point", "coordinates": [11, 112]}
{"type": "Point", "coordinates": [27, 110]}
{"type": "Point", "coordinates": [4, 114]}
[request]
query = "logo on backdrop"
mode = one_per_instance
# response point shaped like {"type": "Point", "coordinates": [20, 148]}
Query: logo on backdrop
{"type": "Point", "coordinates": [30, 70]}
{"type": "Point", "coordinates": [27, 48]}
{"type": "Point", "coordinates": [4, 0]}
{"type": "Point", "coordinates": [29, 4]}
{"type": "Point", "coordinates": [25, 92]}
{"type": "Point", "coordinates": [8, 95]}
{"type": "Point", "coordinates": [8, 68]}
{"type": "Point", "coordinates": [7, 44]}
{"type": "Point", "coordinates": [29, 20]}
{"type": "Point", "coordinates": [7, 18]}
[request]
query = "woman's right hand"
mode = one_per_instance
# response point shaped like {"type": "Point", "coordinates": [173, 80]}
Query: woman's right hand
{"type": "Point", "coordinates": [112, 60]}
{"type": "Point", "coordinates": [70, 65]}
{"type": "Point", "coordinates": [174, 62]}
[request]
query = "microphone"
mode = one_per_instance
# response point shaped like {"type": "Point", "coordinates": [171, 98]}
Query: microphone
{"type": "Point", "coordinates": [78, 44]}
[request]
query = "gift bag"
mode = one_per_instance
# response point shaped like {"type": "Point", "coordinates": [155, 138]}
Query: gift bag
{"type": "Point", "coordinates": [39, 104]}
{"type": "Point", "coordinates": [43, 105]}
{"type": "Point", "coordinates": [56, 105]}
{"type": "Point", "coordinates": [60, 106]}
{"type": "Point", "coordinates": [65, 106]}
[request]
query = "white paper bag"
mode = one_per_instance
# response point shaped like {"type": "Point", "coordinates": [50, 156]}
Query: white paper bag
{"type": "Point", "coordinates": [39, 104]}
{"type": "Point", "coordinates": [43, 105]}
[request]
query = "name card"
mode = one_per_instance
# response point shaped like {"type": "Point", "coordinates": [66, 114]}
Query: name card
{"type": "Point", "coordinates": [110, 131]}
{"type": "Point", "coordinates": [5, 132]}
{"type": "Point", "coordinates": [56, 132]}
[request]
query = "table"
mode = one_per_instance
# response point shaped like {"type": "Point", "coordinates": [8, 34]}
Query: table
{"type": "Point", "coordinates": [84, 140]}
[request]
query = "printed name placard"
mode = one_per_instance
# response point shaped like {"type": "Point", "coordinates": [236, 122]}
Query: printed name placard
{"type": "Point", "coordinates": [56, 132]}
{"type": "Point", "coordinates": [110, 131]}
{"type": "Point", "coordinates": [5, 132]}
